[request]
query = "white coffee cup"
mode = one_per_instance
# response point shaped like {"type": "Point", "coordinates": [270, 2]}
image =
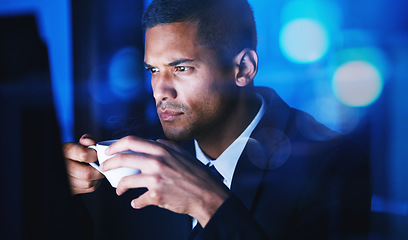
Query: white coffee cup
{"type": "Point", "coordinates": [114, 175]}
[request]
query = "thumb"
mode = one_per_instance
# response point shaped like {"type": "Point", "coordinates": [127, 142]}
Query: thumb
{"type": "Point", "coordinates": [86, 140]}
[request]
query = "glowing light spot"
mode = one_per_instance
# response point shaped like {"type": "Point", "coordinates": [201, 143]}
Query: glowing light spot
{"type": "Point", "coordinates": [125, 73]}
{"type": "Point", "coordinates": [332, 113]}
{"type": "Point", "coordinates": [304, 40]}
{"type": "Point", "coordinates": [372, 55]}
{"type": "Point", "coordinates": [98, 86]}
{"type": "Point", "coordinates": [265, 158]}
{"type": "Point", "coordinates": [357, 83]}
{"type": "Point", "coordinates": [326, 12]}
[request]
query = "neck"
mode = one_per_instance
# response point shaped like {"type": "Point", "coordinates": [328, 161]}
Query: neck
{"type": "Point", "coordinates": [215, 140]}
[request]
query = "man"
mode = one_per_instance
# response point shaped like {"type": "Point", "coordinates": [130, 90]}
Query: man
{"type": "Point", "coordinates": [283, 175]}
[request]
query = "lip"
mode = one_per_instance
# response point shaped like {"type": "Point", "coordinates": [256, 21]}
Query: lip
{"type": "Point", "coordinates": [168, 115]}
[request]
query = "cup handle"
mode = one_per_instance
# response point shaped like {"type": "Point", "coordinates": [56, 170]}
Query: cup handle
{"type": "Point", "coordinates": [94, 164]}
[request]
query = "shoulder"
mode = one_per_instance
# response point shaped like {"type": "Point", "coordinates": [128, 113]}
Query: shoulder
{"type": "Point", "coordinates": [287, 133]}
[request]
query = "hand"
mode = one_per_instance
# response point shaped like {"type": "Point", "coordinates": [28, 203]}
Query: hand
{"type": "Point", "coordinates": [175, 180]}
{"type": "Point", "coordinates": [82, 177]}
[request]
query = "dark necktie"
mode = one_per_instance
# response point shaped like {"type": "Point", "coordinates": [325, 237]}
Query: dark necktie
{"type": "Point", "coordinates": [197, 229]}
{"type": "Point", "coordinates": [215, 172]}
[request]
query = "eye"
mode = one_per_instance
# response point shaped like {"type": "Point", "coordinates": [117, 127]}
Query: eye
{"type": "Point", "coordinates": [182, 68]}
{"type": "Point", "coordinates": [153, 70]}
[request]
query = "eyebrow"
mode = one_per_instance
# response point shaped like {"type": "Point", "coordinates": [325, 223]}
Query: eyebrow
{"type": "Point", "coordinates": [172, 64]}
{"type": "Point", "coordinates": [180, 61]}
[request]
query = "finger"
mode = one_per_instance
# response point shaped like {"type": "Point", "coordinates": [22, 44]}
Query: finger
{"type": "Point", "coordinates": [134, 181]}
{"type": "Point", "coordinates": [151, 197]}
{"type": "Point", "coordinates": [145, 163]}
{"type": "Point", "coordinates": [142, 201]}
{"type": "Point", "coordinates": [78, 189]}
{"type": "Point", "coordinates": [82, 171]}
{"type": "Point", "coordinates": [79, 153]}
{"type": "Point", "coordinates": [82, 184]}
{"type": "Point", "coordinates": [134, 144]}
{"type": "Point", "coordinates": [154, 195]}
{"type": "Point", "coordinates": [87, 140]}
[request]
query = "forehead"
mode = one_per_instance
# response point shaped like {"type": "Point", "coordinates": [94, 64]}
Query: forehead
{"type": "Point", "coordinates": [174, 31]}
{"type": "Point", "coordinates": [172, 40]}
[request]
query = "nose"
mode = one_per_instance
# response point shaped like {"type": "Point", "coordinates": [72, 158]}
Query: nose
{"type": "Point", "coordinates": [163, 87]}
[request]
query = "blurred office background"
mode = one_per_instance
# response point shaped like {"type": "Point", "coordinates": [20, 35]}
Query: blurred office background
{"type": "Point", "coordinates": [70, 67]}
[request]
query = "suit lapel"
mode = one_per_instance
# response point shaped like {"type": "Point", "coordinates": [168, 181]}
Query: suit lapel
{"type": "Point", "coordinates": [268, 148]}
{"type": "Point", "coordinates": [246, 180]}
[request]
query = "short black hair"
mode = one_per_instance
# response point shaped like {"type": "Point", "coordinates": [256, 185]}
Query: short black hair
{"type": "Point", "coordinates": [225, 26]}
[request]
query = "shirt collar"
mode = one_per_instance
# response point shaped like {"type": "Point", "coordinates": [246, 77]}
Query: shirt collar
{"type": "Point", "coordinates": [227, 161]}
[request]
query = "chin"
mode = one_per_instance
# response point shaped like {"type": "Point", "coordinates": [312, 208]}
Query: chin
{"type": "Point", "coordinates": [175, 135]}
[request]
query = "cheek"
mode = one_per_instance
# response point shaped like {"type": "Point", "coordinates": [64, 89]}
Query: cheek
{"type": "Point", "coordinates": [207, 106]}
{"type": "Point", "coordinates": [206, 96]}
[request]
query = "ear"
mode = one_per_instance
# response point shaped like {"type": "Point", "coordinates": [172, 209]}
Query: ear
{"type": "Point", "coordinates": [246, 67]}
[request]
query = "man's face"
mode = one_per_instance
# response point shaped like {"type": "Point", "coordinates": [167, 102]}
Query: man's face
{"type": "Point", "coordinates": [192, 93]}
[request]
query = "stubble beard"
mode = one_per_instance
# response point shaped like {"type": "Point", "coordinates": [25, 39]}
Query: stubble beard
{"type": "Point", "coordinates": [196, 128]}
{"type": "Point", "coordinates": [177, 134]}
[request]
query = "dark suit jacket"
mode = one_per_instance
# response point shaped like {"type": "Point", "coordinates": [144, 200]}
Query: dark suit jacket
{"type": "Point", "coordinates": [295, 179]}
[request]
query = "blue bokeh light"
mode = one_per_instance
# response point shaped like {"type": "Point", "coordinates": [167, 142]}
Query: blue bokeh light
{"type": "Point", "coordinates": [98, 86]}
{"type": "Point", "coordinates": [125, 73]}
{"type": "Point", "coordinates": [370, 54]}
{"type": "Point", "coordinates": [304, 41]}
{"type": "Point", "coordinates": [307, 29]}
{"type": "Point", "coordinates": [325, 12]}
{"type": "Point", "coordinates": [120, 79]}
{"type": "Point", "coordinates": [357, 83]}
{"type": "Point", "coordinates": [360, 74]}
